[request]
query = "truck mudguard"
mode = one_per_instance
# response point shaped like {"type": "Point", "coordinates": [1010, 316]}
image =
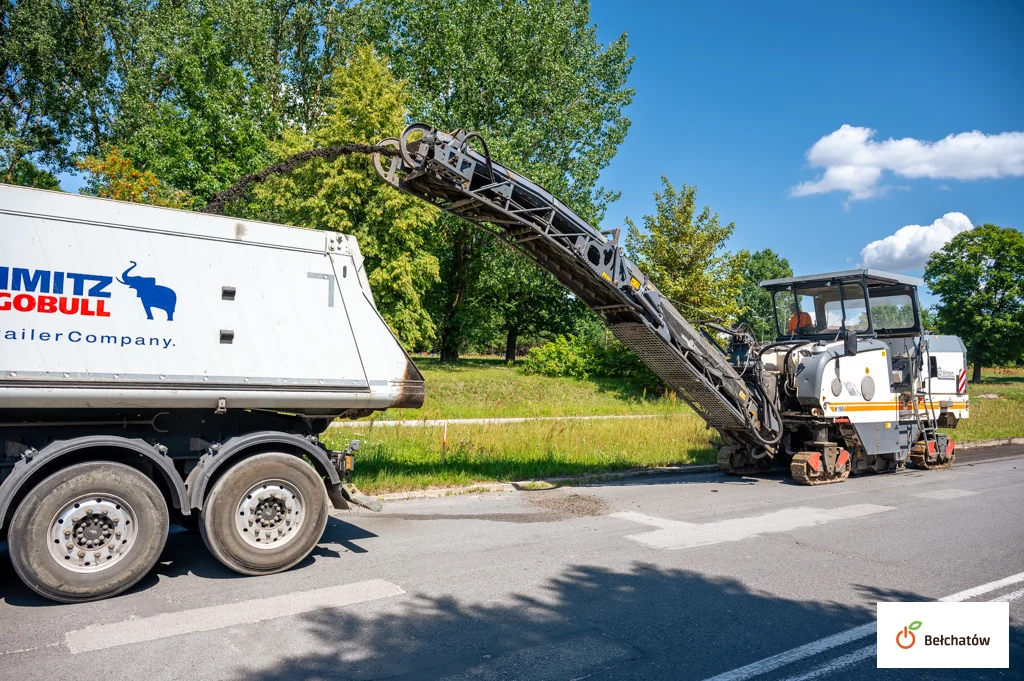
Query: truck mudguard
{"type": "Point", "coordinates": [200, 477]}
{"type": "Point", "coordinates": [29, 465]}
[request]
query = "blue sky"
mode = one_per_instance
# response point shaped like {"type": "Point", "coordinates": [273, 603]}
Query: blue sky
{"type": "Point", "coordinates": [731, 96]}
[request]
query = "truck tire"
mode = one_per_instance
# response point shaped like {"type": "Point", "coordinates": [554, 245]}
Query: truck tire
{"type": "Point", "coordinates": [265, 514]}
{"type": "Point", "coordinates": [88, 532]}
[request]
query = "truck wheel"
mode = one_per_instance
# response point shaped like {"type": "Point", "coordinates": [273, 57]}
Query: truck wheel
{"type": "Point", "coordinates": [265, 514]}
{"type": "Point", "coordinates": [88, 532]}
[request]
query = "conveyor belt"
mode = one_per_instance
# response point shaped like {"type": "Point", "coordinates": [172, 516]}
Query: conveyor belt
{"type": "Point", "coordinates": [444, 170]}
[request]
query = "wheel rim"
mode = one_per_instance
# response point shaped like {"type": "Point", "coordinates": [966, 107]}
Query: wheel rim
{"type": "Point", "coordinates": [92, 533]}
{"type": "Point", "coordinates": [269, 515]}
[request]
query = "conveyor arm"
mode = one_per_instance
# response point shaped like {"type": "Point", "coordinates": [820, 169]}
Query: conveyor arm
{"type": "Point", "coordinates": [444, 170]}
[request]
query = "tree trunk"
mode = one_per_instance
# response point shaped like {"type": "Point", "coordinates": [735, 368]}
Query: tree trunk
{"type": "Point", "coordinates": [510, 344]}
{"type": "Point", "coordinates": [976, 374]}
{"type": "Point", "coordinates": [451, 325]}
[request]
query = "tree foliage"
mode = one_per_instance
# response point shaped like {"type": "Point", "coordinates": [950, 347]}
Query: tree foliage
{"type": "Point", "coordinates": [979, 277]}
{"type": "Point", "coordinates": [756, 303]}
{"type": "Point", "coordinates": [514, 300]}
{"type": "Point", "coordinates": [344, 194]}
{"type": "Point", "coordinates": [192, 91]}
{"type": "Point", "coordinates": [200, 93]}
{"type": "Point", "coordinates": [683, 252]}
{"type": "Point", "coordinates": [112, 176]}
{"type": "Point", "coordinates": [536, 82]}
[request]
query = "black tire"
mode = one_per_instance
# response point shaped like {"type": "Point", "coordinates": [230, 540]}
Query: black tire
{"type": "Point", "coordinates": [30, 532]}
{"type": "Point", "coordinates": [220, 530]}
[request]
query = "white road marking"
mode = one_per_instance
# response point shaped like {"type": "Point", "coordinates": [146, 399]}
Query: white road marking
{"type": "Point", "coordinates": [841, 662]}
{"type": "Point", "coordinates": [677, 534]}
{"type": "Point", "coordinates": [438, 423]}
{"type": "Point", "coordinates": [944, 494]}
{"type": "Point", "coordinates": [1008, 598]}
{"type": "Point", "coordinates": [230, 614]}
{"type": "Point", "coordinates": [968, 594]}
{"type": "Point", "coordinates": [774, 662]}
{"type": "Point", "coordinates": [844, 661]}
{"type": "Point", "coordinates": [796, 654]}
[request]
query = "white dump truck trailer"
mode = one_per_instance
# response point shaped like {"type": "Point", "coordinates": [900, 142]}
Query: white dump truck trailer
{"type": "Point", "coordinates": [160, 365]}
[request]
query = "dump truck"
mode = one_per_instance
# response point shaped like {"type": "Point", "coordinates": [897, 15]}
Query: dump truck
{"type": "Point", "coordinates": [852, 383]}
{"type": "Point", "coordinates": [161, 365]}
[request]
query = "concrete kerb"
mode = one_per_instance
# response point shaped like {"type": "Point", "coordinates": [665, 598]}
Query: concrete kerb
{"type": "Point", "coordinates": [548, 483]}
{"type": "Point", "coordinates": [978, 444]}
{"type": "Point", "coordinates": [551, 483]}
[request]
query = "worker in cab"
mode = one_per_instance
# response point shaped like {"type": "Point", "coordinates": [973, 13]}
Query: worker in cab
{"type": "Point", "coordinates": [799, 321]}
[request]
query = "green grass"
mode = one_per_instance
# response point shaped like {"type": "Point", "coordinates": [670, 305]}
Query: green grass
{"type": "Point", "coordinates": [994, 418]}
{"type": "Point", "coordinates": [487, 388]}
{"type": "Point", "coordinates": [400, 459]}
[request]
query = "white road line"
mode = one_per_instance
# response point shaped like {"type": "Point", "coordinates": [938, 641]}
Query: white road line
{"type": "Point", "coordinates": [796, 654]}
{"type": "Point", "coordinates": [677, 534]}
{"type": "Point", "coordinates": [437, 423]}
{"type": "Point", "coordinates": [230, 614]}
{"type": "Point", "coordinates": [968, 594]}
{"type": "Point", "coordinates": [774, 662]}
{"type": "Point", "coordinates": [841, 662]}
{"type": "Point", "coordinates": [844, 661]}
{"type": "Point", "coordinates": [1008, 598]}
{"type": "Point", "coordinates": [945, 494]}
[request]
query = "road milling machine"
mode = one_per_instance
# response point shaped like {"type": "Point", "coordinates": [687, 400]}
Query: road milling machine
{"type": "Point", "coordinates": [851, 384]}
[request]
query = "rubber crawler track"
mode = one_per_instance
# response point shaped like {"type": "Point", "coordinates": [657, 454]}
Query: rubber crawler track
{"type": "Point", "coordinates": [801, 471]}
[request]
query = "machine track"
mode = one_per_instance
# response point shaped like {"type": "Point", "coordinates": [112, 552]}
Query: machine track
{"type": "Point", "coordinates": [924, 457]}
{"type": "Point", "coordinates": [808, 468]}
{"type": "Point", "coordinates": [734, 460]}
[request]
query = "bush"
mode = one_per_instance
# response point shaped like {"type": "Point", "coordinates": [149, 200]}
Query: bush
{"type": "Point", "coordinates": [575, 357]}
{"type": "Point", "coordinates": [566, 356]}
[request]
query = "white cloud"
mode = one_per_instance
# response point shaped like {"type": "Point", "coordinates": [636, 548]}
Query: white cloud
{"type": "Point", "coordinates": [910, 246]}
{"type": "Point", "coordinates": [854, 162]}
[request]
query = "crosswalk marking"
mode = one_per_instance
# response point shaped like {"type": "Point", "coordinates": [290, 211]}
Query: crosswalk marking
{"type": "Point", "coordinates": [945, 494]}
{"type": "Point", "coordinates": [227, 615]}
{"type": "Point", "coordinates": [678, 534]}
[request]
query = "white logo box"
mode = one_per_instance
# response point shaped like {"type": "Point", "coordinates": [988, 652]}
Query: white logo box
{"type": "Point", "coordinates": [956, 631]}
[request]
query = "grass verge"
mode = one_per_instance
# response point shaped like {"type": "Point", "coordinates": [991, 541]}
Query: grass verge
{"type": "Point", "coordinates": [488, 388]}
{"type": "Point", "coordinates": [997, 415]}
{"type": "Point", "coordinates": [402, 459]}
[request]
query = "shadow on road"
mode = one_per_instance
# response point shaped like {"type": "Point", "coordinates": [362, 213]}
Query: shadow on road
{"type": "Point", "coordinates": [647, 622]}
{"type": "Point", "coordinates": [591, 622]}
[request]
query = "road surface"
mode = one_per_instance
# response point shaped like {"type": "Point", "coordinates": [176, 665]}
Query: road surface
{"type": "Point", "coordinates": [672, 577]}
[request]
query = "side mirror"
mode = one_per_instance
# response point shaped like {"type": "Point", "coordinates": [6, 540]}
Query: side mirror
{"type": "Point", "coordinates": [850, 342]}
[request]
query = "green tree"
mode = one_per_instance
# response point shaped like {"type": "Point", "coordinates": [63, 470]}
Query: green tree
{"type": "Point", "coordinates": [192, 91]}
{"type": "Point", "coordinates": [26, 174]}
{"type": "Point", "coordinates": [683, 252]}
{"type": "Point", "coordinates": [345, 195]}
{"type": "Point", "coordinates": [979, 277]}
{"type": "Point", "coordinates": [755, 302]}
{"type": "Point", "coordinates": [47, 58]}
{"type": "Point", "coordinates": [929, 319]}
{"type": "Point", "coordinates": [536, 82]}
{"type": "Point", "coordinates": [516, 300]}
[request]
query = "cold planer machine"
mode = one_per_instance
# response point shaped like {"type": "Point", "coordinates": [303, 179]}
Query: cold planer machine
{"type": "Point", "coordinates": [768, 409]}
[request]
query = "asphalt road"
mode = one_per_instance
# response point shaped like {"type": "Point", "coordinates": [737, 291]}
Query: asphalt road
{"type": "Point", "coordinates": [669, 577]}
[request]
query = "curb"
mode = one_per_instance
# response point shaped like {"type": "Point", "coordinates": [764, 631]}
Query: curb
{"type": "Point", "coordinates": [548, 483]}
{"type": "Point", "coordinates": [998, 442]}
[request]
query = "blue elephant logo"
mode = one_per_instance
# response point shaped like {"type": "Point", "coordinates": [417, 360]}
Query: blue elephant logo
{"type": "Point", "coordinates": [151, 294]}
